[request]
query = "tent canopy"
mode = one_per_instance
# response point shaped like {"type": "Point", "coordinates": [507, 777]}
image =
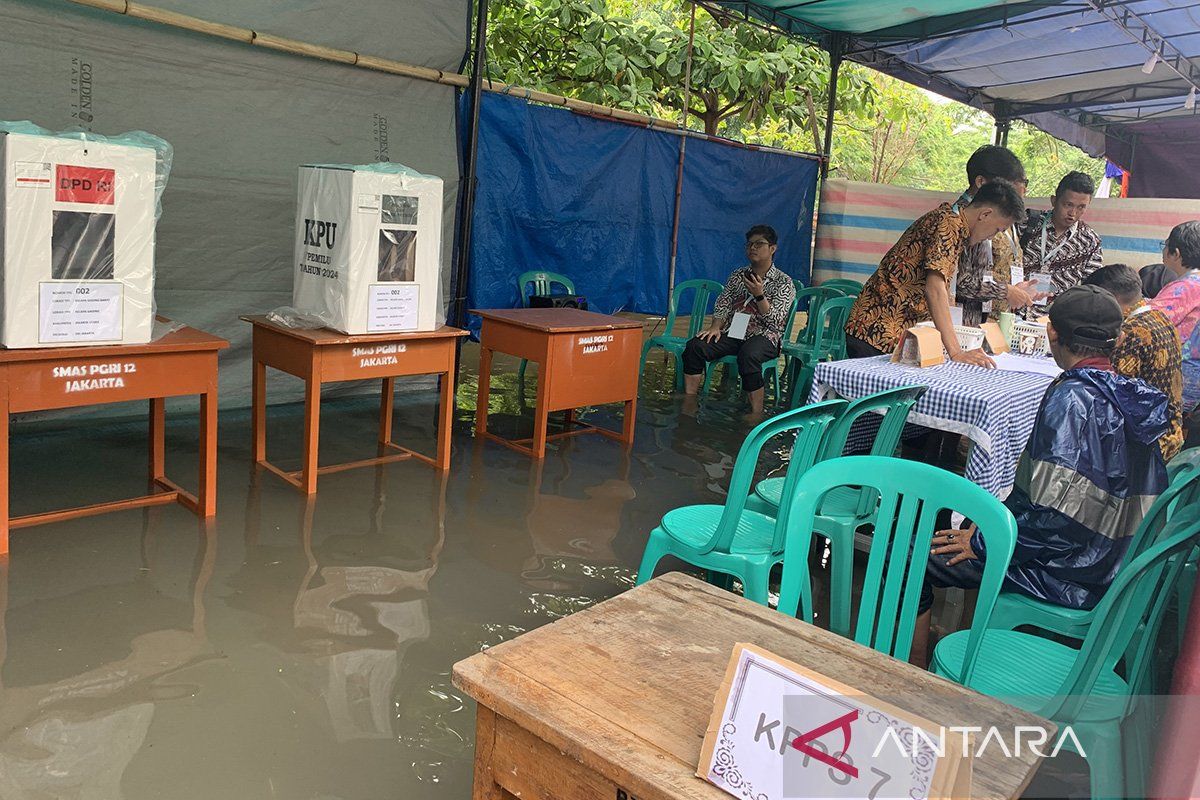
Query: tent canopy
{"type": "Point", "coordinates": [1075, 68]}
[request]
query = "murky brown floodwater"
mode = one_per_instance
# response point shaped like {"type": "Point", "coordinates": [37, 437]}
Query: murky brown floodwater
{"type": "Point", "coordinates": [302, 649]}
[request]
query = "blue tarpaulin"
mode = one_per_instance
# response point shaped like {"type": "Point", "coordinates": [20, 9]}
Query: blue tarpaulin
{"type": "Point", "coordinates": [594, 200]}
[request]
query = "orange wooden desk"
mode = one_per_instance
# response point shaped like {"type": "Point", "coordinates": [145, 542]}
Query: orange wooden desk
{"type": "Point", "coordinates": [180, 363]}
{"type": "Point", "coordinates": [583, 359]}
{"type": "Point", "coordinates": [326, 356]}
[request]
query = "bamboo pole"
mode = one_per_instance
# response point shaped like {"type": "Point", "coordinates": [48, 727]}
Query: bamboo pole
{"type": "Point", "coordinates": [350, 58]}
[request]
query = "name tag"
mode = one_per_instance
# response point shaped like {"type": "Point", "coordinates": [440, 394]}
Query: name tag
{"type": "Point", "coordinates": [1044, 284]}
{"type": "Point", "coordinates": [738, 326]}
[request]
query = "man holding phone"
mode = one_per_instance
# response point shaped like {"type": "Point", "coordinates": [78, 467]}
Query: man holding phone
{"type": "Point", "coordinates": [748, 319]}
{"type": "Point", "coordinates": [1060, 248]}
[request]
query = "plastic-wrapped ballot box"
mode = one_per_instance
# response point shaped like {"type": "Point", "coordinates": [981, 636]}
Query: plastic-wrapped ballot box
{"type": "Point", "coordinates": [78, 223]}
{"type": "Point", "coordinates": [368, 248]}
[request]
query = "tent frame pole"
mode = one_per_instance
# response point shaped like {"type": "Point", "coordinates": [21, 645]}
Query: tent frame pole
{"type": "Point", "coordinates": [469, 174]}
{"type": "Point", "coordinates": [837, 48]}
{"type": "Point", "coordinates": [683, 117]}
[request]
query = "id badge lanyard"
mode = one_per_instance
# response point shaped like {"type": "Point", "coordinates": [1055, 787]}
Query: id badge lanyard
{"type": "Point", "coordinates": [1061, 244]}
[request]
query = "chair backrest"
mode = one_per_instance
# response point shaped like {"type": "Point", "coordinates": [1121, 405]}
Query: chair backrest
{"type": "Point", "coordinates": [1184, 461]}
{"type": "Point", "coordinates": [894, 406]}
{"type": "Point", "coordinates": [791, 319]}
{"type": "Point", "coordinates": [1182, 491]}
{"type": "Point", "coordinates": [810, 424]}
{"type": "Point", "coordinates": [829, 329]}
{"type": "Point", "coordinates": [704, 296]}
{"type": "Point", "coordinates": [542, 283]}
{"type": "Point", "coordinates": [1134, 605]}
{"type": "Point", "coordinates": [848, 287]}
{"type": "Point", "coordinates": [911, 495]}
{"type": "Point", "coordinates": [811, 298]}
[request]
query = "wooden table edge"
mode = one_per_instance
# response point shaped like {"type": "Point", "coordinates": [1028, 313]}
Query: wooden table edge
{"type": "Point", "coordinates": [162, 345]}
{"type": "Point", "coordinates": [599, 326]}
{"type": "Point", "coordinates": [339, 338]}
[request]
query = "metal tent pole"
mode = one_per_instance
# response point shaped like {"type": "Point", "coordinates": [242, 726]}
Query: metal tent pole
{"type": "Point", "coordinates": [687, 104]}
{"type": "Point", "coordinates": [469, 174]}
{"type": "Point", "coordinates": [837, 46]}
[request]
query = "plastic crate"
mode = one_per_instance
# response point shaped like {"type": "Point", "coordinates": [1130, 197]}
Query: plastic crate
{"type": "Point", "coordinates": [1029, 339]}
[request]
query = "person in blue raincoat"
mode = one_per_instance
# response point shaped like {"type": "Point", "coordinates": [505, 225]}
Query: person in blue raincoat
{"type": "Point", "coordinates": [1090, 472]}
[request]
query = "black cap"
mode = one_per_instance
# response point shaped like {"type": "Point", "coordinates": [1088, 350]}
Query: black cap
{"type": "Point", "coordinates": [1087, 315]}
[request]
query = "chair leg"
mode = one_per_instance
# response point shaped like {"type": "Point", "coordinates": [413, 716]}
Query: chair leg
{"type": "Point", "coordinates": [521, 374]}
{"type": "Point", "coordinates": [678, 371]}
{"type": "Point", "coordinates": [656, 547]}
{"type": "Point", "coordinates": [642, 363]}
{"type": "Point", "coordinates": [756, 582]}
{"type": "Point", "coordinates": [1105, 759]}
{"type": "Point", "coordinates": [841, 591]}
{"type": "Point", "coordinates": [721, 580]}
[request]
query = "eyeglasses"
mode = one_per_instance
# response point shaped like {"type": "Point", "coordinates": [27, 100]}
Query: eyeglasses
{"type": "Point", "coordinates": [757, 243]}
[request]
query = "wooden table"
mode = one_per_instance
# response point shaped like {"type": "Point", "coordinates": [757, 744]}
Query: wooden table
{"type": "Point", "coordinates": [326, 356]}
{"type": "Point", "coordinates": [583, 359]}
{"type": "Point", "coordinates": [613, 702]}
{"type": "Point", "coordinates": [183, 362]}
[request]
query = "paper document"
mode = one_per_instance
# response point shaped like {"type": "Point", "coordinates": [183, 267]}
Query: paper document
{"type": "Point", "coordinates": [1011, 362]}
{"type": "Point", "coordinates": [738, 326]}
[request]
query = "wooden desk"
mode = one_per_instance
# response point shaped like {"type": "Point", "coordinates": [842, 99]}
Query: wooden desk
{"type": "Point", "coordinates": [613, 702]}
{"type": "Point", "coordinates": [583, 359]}
{"type": "Point", "coordinates": [181, 363]}
{"type": "Point", "coordinates": [326, 356]}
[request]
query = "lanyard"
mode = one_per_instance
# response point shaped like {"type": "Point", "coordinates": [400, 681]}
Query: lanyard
{"type": "Point", "coordinates": [1142, 309]}
{"type": "Point", "coordinates": [1066, 237]}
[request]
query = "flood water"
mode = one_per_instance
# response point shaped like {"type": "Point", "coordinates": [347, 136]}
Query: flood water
{"type": "Point", "coordinates": [296, 648]}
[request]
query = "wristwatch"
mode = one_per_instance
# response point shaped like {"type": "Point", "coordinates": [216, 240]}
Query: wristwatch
{"type": "Point", "coordinates": [758, 298]}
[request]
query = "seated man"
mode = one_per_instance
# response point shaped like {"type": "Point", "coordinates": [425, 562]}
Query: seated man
{"type": "Point", "coordinates": [748, 319]}
{"type": "Point", "coordinates": [911, 284]}
{"type": "Point", "coordinates": [1148, 347]}
{"type": "Point", "coordinates": [1089, 473]}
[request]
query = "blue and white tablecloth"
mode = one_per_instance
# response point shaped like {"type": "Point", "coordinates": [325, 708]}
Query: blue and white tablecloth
{"type": "Point", "coordinates": [995, 409]}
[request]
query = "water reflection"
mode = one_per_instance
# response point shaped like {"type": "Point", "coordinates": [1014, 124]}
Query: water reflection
{"type": "Point", "coordinates": [123, 640]}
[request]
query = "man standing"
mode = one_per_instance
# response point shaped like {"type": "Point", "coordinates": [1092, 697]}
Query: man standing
{"type": "Point", "coordinates": [1090, 472]}
{"type": "Point", "coordinates": [1060, 248]}
{"type": "Point", "coordinates": [748, 319]}
{"type": "Point", "coordinates": [911, 284]}
{"type": "Point", "coordinates": [1148, 348]}
{"type": "Point", "coordinates": [991, 277]}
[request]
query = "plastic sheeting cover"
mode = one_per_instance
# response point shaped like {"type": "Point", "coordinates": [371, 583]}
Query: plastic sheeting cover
{"type": "Point", "coordinates": [594, 199]}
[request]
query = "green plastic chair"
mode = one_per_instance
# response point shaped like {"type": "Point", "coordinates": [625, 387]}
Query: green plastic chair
{"type": "Point", "coordinates": [847, 509]}
{"type": "Point", "coordinates": [770, 369]}
{"type": "Point", "coordinates": [829, 344]}
{"type": "Point", "coordinates": [543, 283]}
{"type": "Point", "coordinates": [910, 496]}
{"type": "Point", "coordinates": [1014, 610]}
{"type": "Point", "coordinates": [815, 297]}
{"type": "Point", "coordinates": [704, 294]}
{"type": "Point", "coordinates": [728, 539]}
{"type": "Point", "coordinates": [848, 287]}
{"type": "Point", "coordinates": [1093, 688]}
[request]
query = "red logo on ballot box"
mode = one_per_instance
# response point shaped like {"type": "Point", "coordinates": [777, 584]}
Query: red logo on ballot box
{"type": "Point", "coordinates": [84, 185]}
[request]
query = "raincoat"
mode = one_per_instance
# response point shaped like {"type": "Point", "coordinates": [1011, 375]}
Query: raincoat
{"type": "Point", "coordinates": [1090, 472]}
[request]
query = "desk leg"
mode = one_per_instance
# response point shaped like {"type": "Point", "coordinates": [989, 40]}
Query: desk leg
{"type": "Point", "coordinates": [385, 410]}
{"type": "Point", "coordinates": [630, 419]}
{"type": "Point", "coordinates": [445, 420]}
{"type": "Point", "coordinates": [4, 456]}
{"type": "Point", "coordinates": [485, 390]}
{"type": "Point", "coordinates": [258, 412]}
{"type": "Point", "coordinates": [158, 458]}
{"type": "Point", "coordinates": [485, 787]}
{"type": "Point", "coordinates": [541, 416]}
{"type": "Point", "coordinates": [312, 432]}
{"type": "Point", "coordinates": [207, 493]}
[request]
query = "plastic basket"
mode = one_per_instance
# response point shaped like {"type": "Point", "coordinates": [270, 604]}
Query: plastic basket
{"type": "Point", "coordinates": [1029, 339]}
{"type": "Point", "coordinates": [968, 338]}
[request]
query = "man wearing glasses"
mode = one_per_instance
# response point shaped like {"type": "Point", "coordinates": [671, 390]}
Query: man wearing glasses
{"type": "Point", "coordinates": [748, 319]}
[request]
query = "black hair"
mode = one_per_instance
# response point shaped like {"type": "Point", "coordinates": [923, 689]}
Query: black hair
{"type": "Point", "coordinates": [1003, 196]}
{"type": "Point", "coordinates": [993, 162]}
{"type": "Point", "coordinates": [765, 231]}
{"type": "Point", "coordinates": [1076, 182]}
{"type": "Point", "coordinates": [1185, 238]}
{"type": "Point", "coordinates": [1085, 350]}
{"type": "Point", "coordinates": [1121, 280]}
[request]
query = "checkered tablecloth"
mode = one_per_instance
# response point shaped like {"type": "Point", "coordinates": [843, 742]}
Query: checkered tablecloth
{"type": "Point", "coordinates": [993, 408]}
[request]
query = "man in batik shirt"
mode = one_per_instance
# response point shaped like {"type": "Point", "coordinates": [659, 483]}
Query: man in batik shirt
{"type": "Point", "coordinates": [990, 275]}
{"type": "Point", "coordinates": [748, 319]}
{"type": "Point", "coordinates": [1060, 249]}
{"type": "Point", "coordinates": [1148, 349]}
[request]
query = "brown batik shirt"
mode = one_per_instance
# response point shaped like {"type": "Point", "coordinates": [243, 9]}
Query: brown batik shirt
{"type": "Point", "coordinates": [1149, 349]}
{"type": "Point", "coordinates": [893, 299]}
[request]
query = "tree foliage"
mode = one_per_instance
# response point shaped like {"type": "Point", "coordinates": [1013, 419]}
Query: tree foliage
{"type": "Point", "coordinates": [632, 54]}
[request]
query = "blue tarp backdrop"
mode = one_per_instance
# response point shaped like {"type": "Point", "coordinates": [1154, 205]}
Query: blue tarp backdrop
{"type": "Point", "coordinates": [593, 199]}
